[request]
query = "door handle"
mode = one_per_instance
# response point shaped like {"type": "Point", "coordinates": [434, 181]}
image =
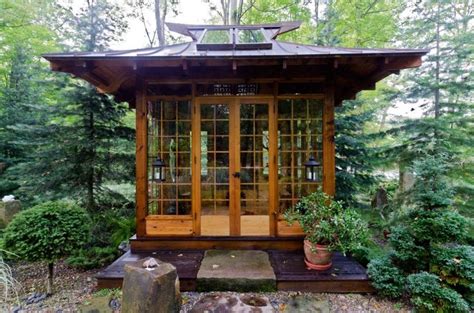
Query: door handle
{"type": "Point", "coordinates": [236, 174]}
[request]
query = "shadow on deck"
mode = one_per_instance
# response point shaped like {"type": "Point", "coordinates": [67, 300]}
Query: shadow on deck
{"type": "Point", "coordinates": [346, 275]}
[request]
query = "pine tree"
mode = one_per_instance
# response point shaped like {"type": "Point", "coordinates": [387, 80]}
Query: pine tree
{"type": "Point", "coordinates": [443, 88]}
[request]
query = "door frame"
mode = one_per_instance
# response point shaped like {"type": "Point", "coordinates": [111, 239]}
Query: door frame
{"type": "Point", "coordinates": [234, 103]}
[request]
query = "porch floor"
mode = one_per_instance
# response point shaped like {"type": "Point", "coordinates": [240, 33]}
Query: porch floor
{"type": "Point", "coordinates": [346, 275]}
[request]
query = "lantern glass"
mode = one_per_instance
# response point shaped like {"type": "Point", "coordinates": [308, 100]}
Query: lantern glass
{"type": "Point", "coordinates": [158, 170]}
{"type": "Point", "coordinates": [312, 169]}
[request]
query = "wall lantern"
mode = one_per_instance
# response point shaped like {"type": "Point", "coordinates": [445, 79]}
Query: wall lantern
{"type": "Point", "coordinates": [158, 167]}
{"type": "Point", "coordinates": [312, 169]}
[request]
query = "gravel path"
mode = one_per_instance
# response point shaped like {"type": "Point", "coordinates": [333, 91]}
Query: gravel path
{"type": "Point", "coordinates": [74, 287]}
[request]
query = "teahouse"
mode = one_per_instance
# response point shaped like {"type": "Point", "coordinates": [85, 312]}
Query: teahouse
{"type": "Point", "coordinates": [232, 128]}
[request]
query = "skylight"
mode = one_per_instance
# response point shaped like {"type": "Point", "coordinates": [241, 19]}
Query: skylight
{"type": "Point", "coordinates": [233, 38]}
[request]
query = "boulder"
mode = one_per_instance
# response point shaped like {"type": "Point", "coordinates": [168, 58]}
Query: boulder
{"type": "Point", "coordinates": [150, 285]}
{"type": "Point", "coordinates": [8, 210]}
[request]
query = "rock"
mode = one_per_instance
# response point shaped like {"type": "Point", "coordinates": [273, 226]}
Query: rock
{"type": "Point", "coordinates": [150, 289]}
{"type": "Point", "coordinates": [305, 304]}
{"type": "Point", "coordinates": [8, 210]}
{"type": "Point", "coordinates": [380, 199]}
{"type": "Point", "coordinates": [237, 270]}
{"type": "Point", "coordinates": [217, 303]}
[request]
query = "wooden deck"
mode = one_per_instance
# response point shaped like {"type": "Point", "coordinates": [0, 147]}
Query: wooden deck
{"type": "Point", "coordinates": [346, 275]}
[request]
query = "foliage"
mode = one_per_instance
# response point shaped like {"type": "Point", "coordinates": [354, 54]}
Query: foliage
{"type": "Point", "coordinates": [386, 278]}
{"type": "Point", "coordinates": [324, 221]}
{"type": "Point", "coordinates": [455, 266]}
{"type": "Point", "coordinates": [8, 284]}
{"type": "Point", "coordinates": [428, 295]}
{"type": "Point", "coordinates": [94, 257]}
{"type": "Point", "coordinates": [47, 232]}
{"type": "Point", "coordinates": [426, 243]}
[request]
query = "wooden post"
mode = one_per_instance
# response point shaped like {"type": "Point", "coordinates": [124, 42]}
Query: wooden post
{"type": "Point", "coordinates": [273, 160]}
{"type": "Point", "coordinates": [196, 162]}
{"type": "Point", "coordinates": [141, 158]}
{"type": "Point", "coordinates": [234, 167]}
{"type": "Point", "coordinates": [329, 153]}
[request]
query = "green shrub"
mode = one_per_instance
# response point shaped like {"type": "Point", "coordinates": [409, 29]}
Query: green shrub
{"type": "Point", "coordinates": [448, 225]}
{"type": "Point", "coordinates": [428, 295]}
{"type": "Point", "coordinates": [95, 257]}
{"type": "Point", "coordinates": [47, 232]}
{"type": "Point", "coordinates": [455, 266]}
{"type": "Point", "coordinates": [326, 222]}
{"type": "Point", "coordinates": [388, 279]}
{"type": "Point", "coordinates": [406, 250]}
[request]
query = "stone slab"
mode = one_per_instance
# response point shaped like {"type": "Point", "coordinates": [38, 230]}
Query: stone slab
{"type": "Point", "coordinates": [218, 303]}
{"type": "Point", "coordinates": [307, 303]}
{"type": "Point", "coordinates": [236, 270]}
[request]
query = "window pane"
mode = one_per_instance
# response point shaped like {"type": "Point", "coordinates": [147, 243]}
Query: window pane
{"type": "Point", "coordinates": [216, 37]}
{"type": "Point", "coordinates": [251, 36]}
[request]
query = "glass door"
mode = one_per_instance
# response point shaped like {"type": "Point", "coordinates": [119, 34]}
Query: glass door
{"type": "Point", "coordinates": [234, 197]}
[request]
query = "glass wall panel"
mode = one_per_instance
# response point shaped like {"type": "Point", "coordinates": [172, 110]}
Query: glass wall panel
{"type": "Point", "coordinates": [169, 138]}
{"type": "Point", "coordinates": [214, 169]}
{"type": "Point", "coordinates": [299, 138]}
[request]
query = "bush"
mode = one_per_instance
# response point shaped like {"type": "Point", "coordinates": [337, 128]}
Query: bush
{"type": "Point", "coordinates": [388, 279]}
{"type": "Point", "coordinates": [95, 257]}
{"type": "Point", "coordinates": [324, 221]}
{"type": "Point", "coordinates": [455, 266]}
{"type": "Point", "coordinates": [47, 232]}
{"type": "Point", "coordinates": [448, 225]}
{"type": "Point", "coordinates": [406, 250]}
{"type": "Point", "coordinates": [428, 295]}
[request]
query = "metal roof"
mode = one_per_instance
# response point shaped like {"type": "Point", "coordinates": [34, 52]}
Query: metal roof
{"type": "Point", "coordinates": [279, 49]}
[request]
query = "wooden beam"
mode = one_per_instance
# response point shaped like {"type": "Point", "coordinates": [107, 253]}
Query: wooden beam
{"type": "Point", "coordinates": [141, 178]}
{"type": "Point", "coordinates": [329, 153]}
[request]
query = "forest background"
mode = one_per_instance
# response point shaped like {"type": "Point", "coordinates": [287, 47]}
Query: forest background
{"type": "Point", "coordinates": [61, 139]}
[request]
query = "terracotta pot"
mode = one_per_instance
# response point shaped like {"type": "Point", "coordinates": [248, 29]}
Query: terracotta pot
{"type": "Point", "coordinates": [317, 257]}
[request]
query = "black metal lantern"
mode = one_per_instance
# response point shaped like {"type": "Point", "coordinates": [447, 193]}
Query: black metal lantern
{"type": "Point", "coordinates": [158, 168]}
{"type": "Point", "coordinates": [312, 169]}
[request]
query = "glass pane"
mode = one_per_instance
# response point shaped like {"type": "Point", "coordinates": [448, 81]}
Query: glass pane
{"type": "Point", "coordinates": [251, 36]}
{"type": "Point", "coordinates": [169, 138]}
{"type": "Point", "coordinates": [216, 37]}
{"type": "Point", "coordinates": [215, 170]}
{"type": "Point", "coordinates": [299, 138]}
{"type": "Point", "coordinates": [253, 174]}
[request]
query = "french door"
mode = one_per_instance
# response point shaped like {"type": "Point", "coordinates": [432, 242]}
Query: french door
{"type": "Point", "coordinates": [234, 166]}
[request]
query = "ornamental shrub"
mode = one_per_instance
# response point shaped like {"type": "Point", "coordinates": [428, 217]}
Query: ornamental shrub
{"type": "Point", "coordinates": [94, 257]}
{"type": "Point", "coordinates": [47, 232]}
{"type": "Point", "coordinates": [388, 279]}
{"type": "Point", "coordinates": [427, 252]}
{"type": "Point", "coordinates": [428, 295]}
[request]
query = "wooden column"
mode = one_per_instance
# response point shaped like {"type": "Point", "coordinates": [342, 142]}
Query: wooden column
{"type": "Point", "coordinates": [273, 161]}
{"type": "Point", "coordinates": [329, 153]}
{"type": "Point", "coordinates": [196, 163]}
{"type": "Point", "coordinates": [234, 166]}
{"type": "Point", "coordinates": [141, 158]}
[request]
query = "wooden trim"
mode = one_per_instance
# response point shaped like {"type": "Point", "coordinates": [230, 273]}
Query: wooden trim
{"type": "Point", "coordinates": [234, 167]}
{"type": "Point", "coordinates": [196, 163]}
{"type": "Point", "coordinates": [273, 160]}
{"type": "Point", "coordinates": [302, 96]}
{"type": "Point", "coordinates": [141, 158]}
{"type": "Point", "coordinates": [234, 80]}
{"type": "Point", "coordinates": [169, 98]}
{"type": "Point", "coordinates": [207, 243]}
{"type": "Point", "coordinates": [168, 217]}
{"type": "Point", "coordinates": [329, 153]}
{"type": "Point", "coordinates": [174, 227]}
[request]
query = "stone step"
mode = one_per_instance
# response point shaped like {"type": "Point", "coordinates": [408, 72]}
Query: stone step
{"type": "Point", "coordinates": [236, 270]}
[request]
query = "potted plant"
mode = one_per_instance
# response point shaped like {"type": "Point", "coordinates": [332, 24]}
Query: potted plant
{"type": "Point", "coordinates": [328, 227]}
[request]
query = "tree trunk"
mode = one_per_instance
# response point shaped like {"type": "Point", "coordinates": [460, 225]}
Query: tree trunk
{"type": "Point", "coordinates": [316, 12]}
{"type": "Point", "coordinates": [436, 95]}
{"type": "Point", "coordinates": [160, 15]}
{"type": "Point", "coordinates": [50, 278]}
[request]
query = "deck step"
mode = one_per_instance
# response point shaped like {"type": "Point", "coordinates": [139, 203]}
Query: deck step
{"type": "Point", "coordinates": [236, 270]}
{"type": "Point", "coordinates": [346, 275]}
